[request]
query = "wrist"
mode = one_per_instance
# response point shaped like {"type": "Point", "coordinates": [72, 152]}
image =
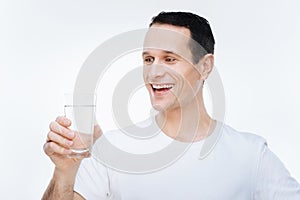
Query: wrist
{"type": "Point", "coordinates": [66, 176]}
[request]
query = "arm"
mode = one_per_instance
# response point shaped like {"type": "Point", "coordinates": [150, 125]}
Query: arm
{"type": "Point", "coordinates": [61, 187]}
{"type": "Point", "coordinates": [51, 194]}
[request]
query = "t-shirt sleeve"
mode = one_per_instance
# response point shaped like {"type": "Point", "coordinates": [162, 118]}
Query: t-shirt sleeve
{"type": "Point", "coordinates": [274, 182]}
{"type": "Point", "coordinates": [92, 181]}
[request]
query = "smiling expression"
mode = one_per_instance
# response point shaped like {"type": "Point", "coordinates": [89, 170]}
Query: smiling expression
{"type": "Point", "coordinates": [171, 78]}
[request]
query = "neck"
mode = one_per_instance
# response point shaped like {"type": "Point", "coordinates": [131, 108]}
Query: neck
{"type": "Point", "coordinates": [188, 123]}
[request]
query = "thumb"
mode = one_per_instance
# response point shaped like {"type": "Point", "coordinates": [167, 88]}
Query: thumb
{"type": "Point", "coordinates": [97, 131]}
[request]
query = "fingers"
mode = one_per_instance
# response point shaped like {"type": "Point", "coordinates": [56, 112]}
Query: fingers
{"type": "Point", "coordinates": [57, 144]}
{"type": "Point", "coordinates": [51, 148]}
{"type": "Point", "coordinates": [62, 120]}
{"type": "Point", "coordinates": [97, 132]}
{"type": "Point", "coordinates": [58, 139]}
{"type": "Point", "coordinates": [61, 130]}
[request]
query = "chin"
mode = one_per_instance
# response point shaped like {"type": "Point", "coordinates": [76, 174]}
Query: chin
{"type": "Point", "coordinates": [162, 107]}
{"type": "Point", "coordinates": [158, 108]}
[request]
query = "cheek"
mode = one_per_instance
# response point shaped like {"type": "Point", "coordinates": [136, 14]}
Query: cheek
{"type": "Point", "coordinates": [190, 83]}
{"type": "Point", "coordinates": [145, 75]}
{"type": "Point", "coordinates": [191, 77]}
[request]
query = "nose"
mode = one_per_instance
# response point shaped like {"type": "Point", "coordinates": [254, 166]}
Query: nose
{"type": "Point", "coordinates": [155, 71]}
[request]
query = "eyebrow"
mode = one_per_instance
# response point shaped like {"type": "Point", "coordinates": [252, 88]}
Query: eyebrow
{"type": "Point", "coordinates": [164, 51]}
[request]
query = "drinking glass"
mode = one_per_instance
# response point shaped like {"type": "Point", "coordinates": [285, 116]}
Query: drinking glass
{"type": "Point", "coordinates": [80, 108]}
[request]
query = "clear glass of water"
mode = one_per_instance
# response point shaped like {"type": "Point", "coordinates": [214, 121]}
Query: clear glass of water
{"type": "Point", "coordinates": [80, 108]}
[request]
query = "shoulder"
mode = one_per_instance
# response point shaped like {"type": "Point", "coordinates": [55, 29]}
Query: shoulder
{"type": "Point", "coordinates": [243, 149]}
{"type": "Point", "coordinates": [232, 135]}
{"type": "Point", "coordinates": [240, 144]}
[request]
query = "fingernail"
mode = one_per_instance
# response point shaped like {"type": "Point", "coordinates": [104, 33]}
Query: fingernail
{"type": "Point", "coordinates": [71, 134]}
{"type": "Point", "coordinates": [69, 143]}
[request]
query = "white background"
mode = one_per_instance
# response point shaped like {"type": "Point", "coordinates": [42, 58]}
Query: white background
{"type": "Point", "coordinates": [44, 43]}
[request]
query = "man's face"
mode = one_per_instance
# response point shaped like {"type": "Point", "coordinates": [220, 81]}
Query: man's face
{"type": "Point", "coordinates": [171, 79]}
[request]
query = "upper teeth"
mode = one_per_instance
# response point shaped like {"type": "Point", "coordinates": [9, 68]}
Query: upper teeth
{"type": "Point", "coordinates": [162, 86]}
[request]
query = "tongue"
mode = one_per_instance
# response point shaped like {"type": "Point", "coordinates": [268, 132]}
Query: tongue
{"type": "Point", "coordinates": [162, 89]}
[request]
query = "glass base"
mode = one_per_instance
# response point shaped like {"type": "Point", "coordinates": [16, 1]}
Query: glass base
{"type": "Point", "coordinates": [80, 153]}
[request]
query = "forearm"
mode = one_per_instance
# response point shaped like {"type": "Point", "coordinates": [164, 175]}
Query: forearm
{"type": "Point", "coordinates": [61, 186]}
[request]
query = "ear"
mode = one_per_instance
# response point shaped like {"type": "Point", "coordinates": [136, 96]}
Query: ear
{"type": "Point", "coordinates": [206, 66]}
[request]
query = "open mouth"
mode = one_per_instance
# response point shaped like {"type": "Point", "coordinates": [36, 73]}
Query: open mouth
{"type": "Point", "coordinates": [161, 88]}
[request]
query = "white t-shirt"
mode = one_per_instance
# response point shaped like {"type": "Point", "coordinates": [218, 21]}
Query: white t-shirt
{"type": "Point", "coordinates": [228, 165]}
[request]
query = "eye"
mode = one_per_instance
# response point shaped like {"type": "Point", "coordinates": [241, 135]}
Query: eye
{"type": "Point", "coordinates": [170, 59]}
{"type": "Point", "coordinates": [148, 60]}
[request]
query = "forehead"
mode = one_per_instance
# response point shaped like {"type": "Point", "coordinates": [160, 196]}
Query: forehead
{"type": "Point", "coordinates": [179, 29]}
{"type": "Point", "coordinates": [168, 38]}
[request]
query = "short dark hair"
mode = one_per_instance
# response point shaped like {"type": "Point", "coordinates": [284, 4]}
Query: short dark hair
{"type": "Point", "coordinates": [198, 26]}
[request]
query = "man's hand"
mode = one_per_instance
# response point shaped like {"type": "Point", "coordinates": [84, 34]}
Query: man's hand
{"type": "Point", "coordinates": [57, 147]}
{"type": "Point", "coordinates": [59, 140]}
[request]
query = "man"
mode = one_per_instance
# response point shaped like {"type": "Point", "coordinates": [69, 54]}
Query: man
{"type": "Point", "coordinates": [236, 166]}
